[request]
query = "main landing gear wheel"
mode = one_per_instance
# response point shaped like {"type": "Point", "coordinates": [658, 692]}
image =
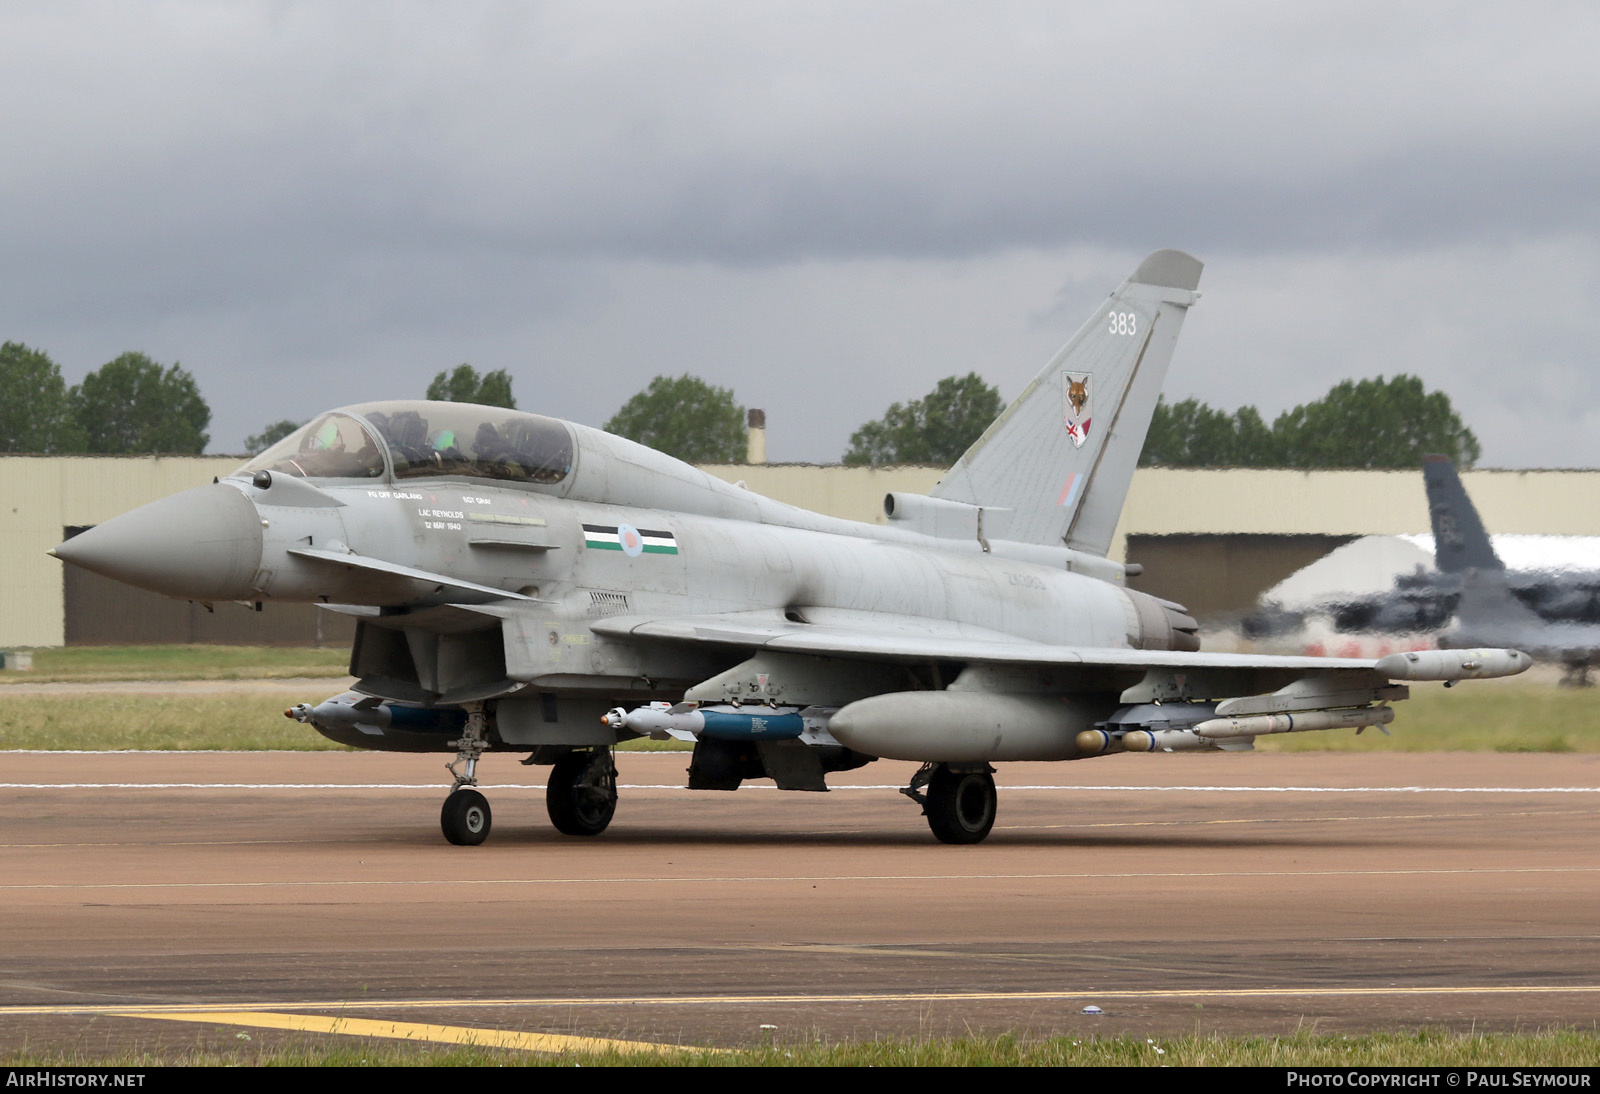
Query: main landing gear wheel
{"type": "Point", "coordinates": [960, 805]}
{"type": "Point", "coordinates": [581, 795]}
{"type": "Point", "coordinates": [465, 817]}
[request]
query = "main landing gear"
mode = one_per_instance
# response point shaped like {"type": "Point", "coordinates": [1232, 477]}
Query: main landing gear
{"type": "Point", "coordinates": [960, 801]}
{"type": "Point", "coordinates": [581, 795]}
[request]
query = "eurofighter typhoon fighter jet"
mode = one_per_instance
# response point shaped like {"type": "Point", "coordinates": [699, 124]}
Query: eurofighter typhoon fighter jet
{"type": "Point", "coordinates": [522, 584]}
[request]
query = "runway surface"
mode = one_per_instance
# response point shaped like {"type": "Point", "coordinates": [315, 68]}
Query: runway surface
{"type": "Point", "coordinates": [189, 898]}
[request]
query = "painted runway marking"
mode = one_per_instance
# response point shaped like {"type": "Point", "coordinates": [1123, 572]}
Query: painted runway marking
{"type": "Point", "coordinates": [1369, 818]}
{"type": "Point", "coordinates": [432, 786]}
{"type": "Point", "coordinates": [1366, 818]}
{"type": "Point", "coordinates": [407, 1031]}
{"type": "Point", "coordinates": [458, 883]}
{"type": "Point", "coordinates": [209, 1011]}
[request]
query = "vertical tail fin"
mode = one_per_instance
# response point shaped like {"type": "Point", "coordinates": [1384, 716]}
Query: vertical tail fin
{"type": "Point", "coordinates": [1061, 457]}
{"type": "Point", "coordinates": [1459, 539]}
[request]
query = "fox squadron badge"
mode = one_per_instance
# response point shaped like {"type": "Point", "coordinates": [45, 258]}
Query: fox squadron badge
{"type": "Point", "coordinates": [1075, 388]}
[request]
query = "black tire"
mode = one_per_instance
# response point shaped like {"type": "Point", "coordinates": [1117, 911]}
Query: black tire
{"type": "Point", "coordinates": [577, 809]}
{"type": "Point", "coordinates": [465, 818]}
{"type": "Point", "coordinates": [961, 805]}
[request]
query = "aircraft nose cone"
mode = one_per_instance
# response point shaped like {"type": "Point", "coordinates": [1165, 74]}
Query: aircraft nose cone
{"type": "Point", "coordinates": [202, 544]}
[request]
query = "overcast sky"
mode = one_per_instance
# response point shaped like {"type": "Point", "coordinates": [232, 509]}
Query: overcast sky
{"type": "Point", "coordinates": [824, 207]}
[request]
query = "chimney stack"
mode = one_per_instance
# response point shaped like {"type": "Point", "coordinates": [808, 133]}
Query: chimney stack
{"type": "Point", "coordinates": [756, 447]}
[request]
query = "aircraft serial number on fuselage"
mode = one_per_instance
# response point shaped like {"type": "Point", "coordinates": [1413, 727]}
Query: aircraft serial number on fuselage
{"type": "Point", "coordinates": [1123, 322]}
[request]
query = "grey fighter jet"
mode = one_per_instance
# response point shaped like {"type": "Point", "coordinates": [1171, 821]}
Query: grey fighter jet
{"type": "Point", "coordinates": [529, 585]}
{"type": "Point", "coordinates": [1424, 602]}
{"type": "Point", "coordinates": [1471, 597]}
{"type": "Point", "coordinates": [1552, 616]}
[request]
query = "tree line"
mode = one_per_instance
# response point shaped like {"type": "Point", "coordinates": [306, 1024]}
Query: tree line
{"type": "Point", "coordinates": [133, 404]}
{"type": "Point", "coordinates": [1375, 423]}
{"type": "Point", "coordinates": [129, 404]}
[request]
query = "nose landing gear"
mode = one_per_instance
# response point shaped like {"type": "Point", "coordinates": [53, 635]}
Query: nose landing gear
{"type": "Point", "coordinates": [465, 817]}
{"type": "Point", "coordinates": [580, 796]}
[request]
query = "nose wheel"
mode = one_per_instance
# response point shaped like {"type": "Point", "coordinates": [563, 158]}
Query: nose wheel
{"type": "Point", "coordinates": [465, 818]}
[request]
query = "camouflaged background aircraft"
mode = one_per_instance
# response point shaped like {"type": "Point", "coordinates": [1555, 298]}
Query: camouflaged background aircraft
{"type": "Point", "coordinates": [530, 585]}
{"type": "Point", "coordinates": [1470, 597]}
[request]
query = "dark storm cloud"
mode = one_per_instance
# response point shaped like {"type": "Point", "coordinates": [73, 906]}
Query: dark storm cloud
{"type": "Point", "coordinates": [770, 133]}
{"type": "Point", "coordinates": [333, 192]}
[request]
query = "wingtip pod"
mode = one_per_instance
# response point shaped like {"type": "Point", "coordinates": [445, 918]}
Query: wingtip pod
{"type": "Point", "coordinates": [1454, 664]}
{"type": "Point", "coordinates": [1171, 270]}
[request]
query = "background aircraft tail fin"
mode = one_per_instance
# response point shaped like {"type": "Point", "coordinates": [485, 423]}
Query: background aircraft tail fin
{"type": "Point", "coordinates": [1459, 539]}
{"type": "Point", "coordinates": [1061, 456]}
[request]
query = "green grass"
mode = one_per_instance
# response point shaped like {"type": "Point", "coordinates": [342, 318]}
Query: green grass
{"type": "Point", "coordinates": [178, 722]}
{"type": "Point", "coordinates": [1424, 1048]}
{"type": "Point", "coordinates": [80, 664]}
{"type": "Point", "coordinates": [181, 722]}
{"type": "Point", "coordinates": [1514, 715]}
{"type": "Point", "coordinates": [1510, 715]}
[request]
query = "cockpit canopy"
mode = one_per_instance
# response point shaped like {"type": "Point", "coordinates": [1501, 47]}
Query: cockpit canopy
{"type": "Point", "coordinates": [411, 440]}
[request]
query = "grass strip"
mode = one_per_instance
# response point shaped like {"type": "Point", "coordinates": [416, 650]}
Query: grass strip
{"type": "Point", "coordinates": [1514, 715]}
{"type": "Point", "coordinates": [84, 664]}
{"type": "Point", "coordinates": [1509, 715]}
{"type": "Point", "coordinates": [1422, 1048]}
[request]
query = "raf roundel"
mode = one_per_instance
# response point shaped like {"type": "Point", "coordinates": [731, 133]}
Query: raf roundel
{"type": "Point", "coordinates": [632, 542]}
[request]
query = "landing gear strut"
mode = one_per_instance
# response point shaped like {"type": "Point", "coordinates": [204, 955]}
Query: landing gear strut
{"type": "Point", "coordinates": [581, 795]}
{"type": "Point", "coordinates": [465, 817]}
{"type": "Point", "coordinates": [960, 802]}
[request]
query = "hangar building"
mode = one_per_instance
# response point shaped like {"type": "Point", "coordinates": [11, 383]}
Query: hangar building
{"type": "Point", "coordinates": [1212, 539]}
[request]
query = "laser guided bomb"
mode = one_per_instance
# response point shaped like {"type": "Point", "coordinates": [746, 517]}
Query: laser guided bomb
{"type": "Point", "coordinates": [366, 721]}
{"type": "Point", "coordinates": [523, 584]}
